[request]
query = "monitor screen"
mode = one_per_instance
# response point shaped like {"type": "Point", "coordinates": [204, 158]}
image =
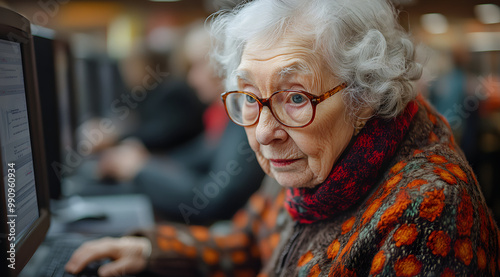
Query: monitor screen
{"type": "Point", "coordinates": [17, 157]}
{"type": "Point", "coordinates": [24, 202]}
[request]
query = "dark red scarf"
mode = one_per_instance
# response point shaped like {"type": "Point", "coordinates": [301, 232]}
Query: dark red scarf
{"type": "Point", "coordinates": [355, 173]}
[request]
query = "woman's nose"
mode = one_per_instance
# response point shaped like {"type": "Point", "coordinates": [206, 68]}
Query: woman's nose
{"type": "Point", "coordinates": [268, 129]}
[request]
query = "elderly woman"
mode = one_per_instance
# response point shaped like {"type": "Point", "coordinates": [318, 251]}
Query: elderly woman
{"type": "Point", "coordinates": [372, 180]}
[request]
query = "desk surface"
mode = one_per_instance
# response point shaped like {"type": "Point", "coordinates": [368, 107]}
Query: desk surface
{"type": "Point", "coordinates": [124, 213]}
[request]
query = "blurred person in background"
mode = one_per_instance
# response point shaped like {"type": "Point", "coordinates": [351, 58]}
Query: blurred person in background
{"type": "Point", "coordinates": [373, 183]}
{"type": "Point", "coordinates": [158, 110]}
{"type": "Point", "coordinates": [156, 113]}
{"type": "Point", "coordinates": [448, 91]}
{"type": "Point", "coordinates": [487, 148]}
{"type": "Point", "coordinates": [217, 171]}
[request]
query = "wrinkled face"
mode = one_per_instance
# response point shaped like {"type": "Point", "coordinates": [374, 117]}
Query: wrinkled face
{"type": "Point", "coordinates": [295, 157]}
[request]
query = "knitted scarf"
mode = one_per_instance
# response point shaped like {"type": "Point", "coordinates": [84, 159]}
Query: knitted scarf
{"type": "Point", "coordinates": [354, 173]}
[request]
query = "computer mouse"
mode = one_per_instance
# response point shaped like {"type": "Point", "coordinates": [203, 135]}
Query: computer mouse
{"type": "Point", "coordinates": [90, 217]}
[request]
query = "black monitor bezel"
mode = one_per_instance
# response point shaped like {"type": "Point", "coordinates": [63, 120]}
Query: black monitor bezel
{"type": "Point", "coordinates": [14, 27]}
{"type": "Point", "coordinates": [50, 108]}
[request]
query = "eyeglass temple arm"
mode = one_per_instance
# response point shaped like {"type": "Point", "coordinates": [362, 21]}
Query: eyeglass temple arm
{"type": "Point", "coordinates": [332, 92]}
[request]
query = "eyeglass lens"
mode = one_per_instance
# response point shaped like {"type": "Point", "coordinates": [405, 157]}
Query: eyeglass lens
{"type": "Point", "coordinates": [291, 108]}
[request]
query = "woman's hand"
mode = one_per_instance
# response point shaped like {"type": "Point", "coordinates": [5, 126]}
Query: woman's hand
{"type": "Point", "coordinates": [128, 255]}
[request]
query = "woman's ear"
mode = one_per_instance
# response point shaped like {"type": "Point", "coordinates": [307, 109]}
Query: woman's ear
{"type": "Point", "coordinates": [362, 116]}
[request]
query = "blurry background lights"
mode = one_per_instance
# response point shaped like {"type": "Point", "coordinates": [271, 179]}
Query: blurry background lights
{"type": "Point", "coordinates": [122, 32]}
{"type": "Point", "coordinates": [488, 13]}
{"type": "Point", "coordinates": [434, 23]}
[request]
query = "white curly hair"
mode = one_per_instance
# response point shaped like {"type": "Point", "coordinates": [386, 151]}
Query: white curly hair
{"type": "Point", "coordinates": [361, 42]}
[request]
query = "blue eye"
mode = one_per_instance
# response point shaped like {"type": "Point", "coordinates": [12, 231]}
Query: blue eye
{"type": "Point", "coordinates": [250, 99]}
{"type": "Point", "coordinates": [298, 98]}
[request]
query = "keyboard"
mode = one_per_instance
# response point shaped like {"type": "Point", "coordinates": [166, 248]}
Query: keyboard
{"type": "Point", "coordinates": [60, 253]}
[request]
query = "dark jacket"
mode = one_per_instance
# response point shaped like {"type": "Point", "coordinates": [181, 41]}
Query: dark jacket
{"type": "Point", "coordinates": [200, 182]}
{"type": "Point", "coordinates": [168, 116]}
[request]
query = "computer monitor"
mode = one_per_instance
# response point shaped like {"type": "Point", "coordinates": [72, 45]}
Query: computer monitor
{"type": "Point", "coordinates": [24, 202]}
{"type": "Point", "coordinates": [55, 80]}
{"type": "Point", "coordinates": [47, 87]}
{"type": "Point", "coordinates": [99, 83]}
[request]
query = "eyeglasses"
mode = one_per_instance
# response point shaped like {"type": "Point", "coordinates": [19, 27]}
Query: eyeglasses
{"type": "Point", "coordinates": [292, 108]}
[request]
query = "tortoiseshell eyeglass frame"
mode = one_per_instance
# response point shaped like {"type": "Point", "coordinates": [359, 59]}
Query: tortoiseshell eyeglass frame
{"type": "Point", "coordinates": [265, 102]}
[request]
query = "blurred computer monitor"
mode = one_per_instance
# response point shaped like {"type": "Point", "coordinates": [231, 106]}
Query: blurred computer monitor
{"type": "Point", "coordinates": [23, 196]}
{"type": "Point", "coordinates": [55, 85]}
{"type": "Point", "coordinates": [99, 84]}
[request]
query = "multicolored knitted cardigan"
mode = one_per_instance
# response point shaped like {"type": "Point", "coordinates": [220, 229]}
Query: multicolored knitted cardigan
{"type": "Point", "coordinates": [401, 201]}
